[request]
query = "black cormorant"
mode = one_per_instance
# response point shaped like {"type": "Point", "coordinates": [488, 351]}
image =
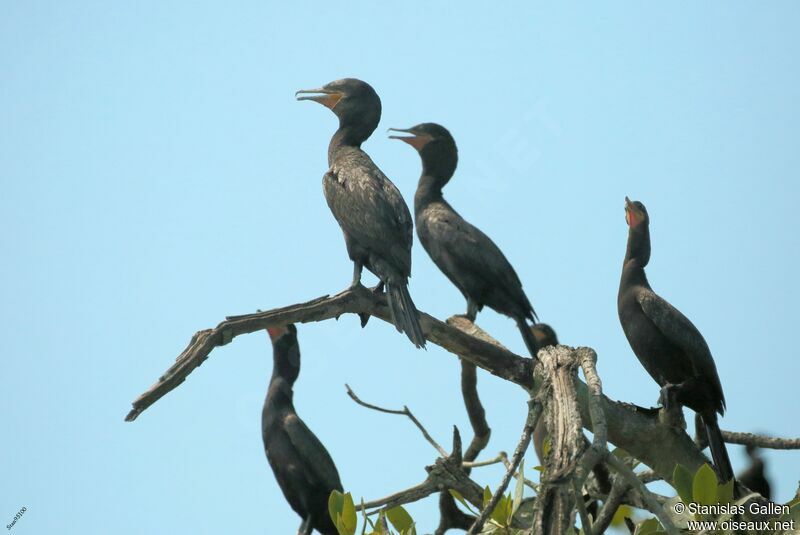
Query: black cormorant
{"type": "Point", "coordinates": [754, 477]}
{"type": "Point", "coordinates": [667, 344]}
{"type": "Point", "coordinates": [374, 218]}
{"type": "Point", "coordinates": [303, 467]}
{"type": "Point", "coordinates": [467, 256]}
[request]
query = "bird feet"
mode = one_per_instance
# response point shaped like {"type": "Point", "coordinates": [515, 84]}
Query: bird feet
{"type": "Point", "coordinates": [668, 396]}
{"type": "Point", "coordinates": [377, 290]}
{"type": "Point", "coordinates": [672, 413]}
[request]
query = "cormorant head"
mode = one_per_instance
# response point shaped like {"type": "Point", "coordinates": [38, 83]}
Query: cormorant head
{"type": "Point", "coordinates": [285, 352]}
{"type": "Point", "coordinates": [638, 232]}
{"type": "Point", "coordinates": [354, 102]}
{"type": "Point", "coordinates": [544, 335]}
{"type": "Point", "coordinates": [435, 146]}
{"type": "Point", "coordinates": [635, 213]}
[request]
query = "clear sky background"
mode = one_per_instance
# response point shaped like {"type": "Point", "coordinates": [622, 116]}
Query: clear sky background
{"type": "Point", "coordinates": [157, 175]}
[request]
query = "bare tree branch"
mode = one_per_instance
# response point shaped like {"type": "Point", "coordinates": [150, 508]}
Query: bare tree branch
{"type": "Point", "coordinates": [587, 359]}
{"type": "Point", "coordinates": [653, 504]}
{"type": "Point", "coordinates": [501, 457]}
{"type": "Point", "coordinates": [405, 412]}
{"type": "Point", "coordinates": [762, 441]}
{"type": "Point", "coordinates": [445, 473]}
{"type": "Point", "coordinates": [451, 517]}
{"type": "Point", "coordinates": [556, 503]}
{"type": "Point", "coordinates": [534, 413]}
{"type": "Point", "coordinates": [586, 522]}
{"type": "Point", "coordinates": [656, 445]}
{"type": "Point", "coordinates": [610, 505]}
{"type": "Point", "coordinates": [469, 389]}
{"type": "Point", "coordinates": [492, 358]}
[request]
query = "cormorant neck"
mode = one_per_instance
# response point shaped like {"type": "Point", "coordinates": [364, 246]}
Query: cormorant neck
{"type": "Point", "coordinates": [429, 189]}
{"type": "Point", "coordinates": [637, 254]}
{"type": "Point", "coordinates": [350, 134]}
{"type": "Point", "coordinates": [439, 165]}
{"type": "Point", "coordinates": [280, 391]}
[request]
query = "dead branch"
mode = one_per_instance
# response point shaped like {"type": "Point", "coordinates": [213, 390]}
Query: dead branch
{"type": "Point", "coordinates": [446, 473]}
{"type": "Point", "coordinates": [611, 505]}
{"type": "Point", "coordinates": [451, 517]}
{"type": "Point", "coordinates": [534, 413]}
{"type": "Point", "coordinates": [492, 358]}
{"type": "Point", "coordinates": [556, 503]}
{"type": "Point", "coordinates": [762, 441]}
{"type": "Point", "coordinates": [404, 412]}
{"type": "Point", "coordinates": [658, 446]}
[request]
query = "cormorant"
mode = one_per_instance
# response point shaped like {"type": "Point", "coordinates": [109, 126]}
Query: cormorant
{"type": "Point", "coordinates": [303, 467]}
{"type": "Point", "coordinates": [467, 256]}
{"type": "Point", "coordinates": [373, 216]}
{"type": "Point", "coordinates": [754, 477]}
{"type": "Point", "coordinates": [667, 344]}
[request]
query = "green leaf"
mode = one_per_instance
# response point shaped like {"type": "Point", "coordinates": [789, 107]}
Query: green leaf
{"type": "Point", "coordinates": [340, 527]}
{"type": "Point", "coordinates": [487, 496]}
{"type": "Point", "coordinates": [704, 487]}
{"type": "Point", "coordinates": [457, 495]}
{"type": "Point", "coordinates": [348, 517]}
{"type": "Point", "coordinates": [649, 526]}
{"type": "Point", "coordinates": [682, 480]}
{"type": "Point", "coordinates": [725, 492]}
{"type": "Point", "coordinates": [520, 488]}
{"type": "Point", "coordinates": [620, 514]}
{"type": "Point", "coordinates": [400, 519]}
{"type": "Point", "coordinates": [502, 511]}
{"type": "Point", "coordinates": [335, 504]}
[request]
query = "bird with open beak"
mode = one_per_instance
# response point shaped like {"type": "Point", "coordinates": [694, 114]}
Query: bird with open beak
{"type": "Point", "coordinates": [371, 212]}
{"type": "Point", "coordinates": [467, 256]}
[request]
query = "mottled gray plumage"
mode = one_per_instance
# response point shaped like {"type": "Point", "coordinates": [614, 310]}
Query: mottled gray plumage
{"type": "Point", "coordinates": [369, 208]}
{"type": "Point", "coordinates": [467, 256]}
{"type": "Point", "coordinates": [303, 468]}
{"type": "Point", "coordinates": [373, 216]}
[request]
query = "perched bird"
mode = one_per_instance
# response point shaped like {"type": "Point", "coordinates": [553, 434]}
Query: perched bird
{"type": "Point", "coordinates": [467, 256]}
{"type": "Point", "coordinates": [374, 218]}
{"type": "Point", "coordinates": [667, 344]}
{"type": "Point", "coordinates": [303, 467]}
{"type": "Point", "coordinates": [754, 477]}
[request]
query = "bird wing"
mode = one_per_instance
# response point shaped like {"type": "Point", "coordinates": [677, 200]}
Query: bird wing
{"type": "Point", "coordinates": [370, 209]}
{"type": "Point", "coordinates": [680, 331]}
{"type": "Point", "coordinates": [312, 453]}
{"type": "Point", "coordinates": [465, 246]}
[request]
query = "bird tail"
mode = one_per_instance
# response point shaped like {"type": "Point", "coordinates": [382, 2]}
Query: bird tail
{"type": "Point", "coordinates": [717, 445]}
{"type": "Point", "coordinates": [527, 337]}
{"type": "Point", "coordinates": [404, 313]}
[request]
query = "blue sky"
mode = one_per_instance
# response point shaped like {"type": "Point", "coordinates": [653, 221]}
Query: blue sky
{"type": "Point", "coordinates": [157, 175]}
